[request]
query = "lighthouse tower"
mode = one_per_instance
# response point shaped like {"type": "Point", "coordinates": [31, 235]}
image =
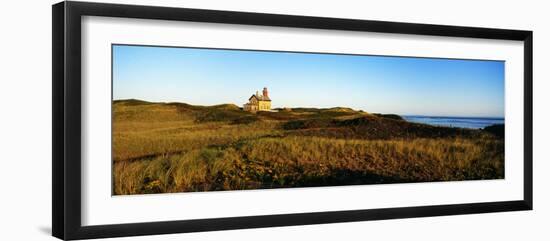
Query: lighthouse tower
{"type": "Point", "coordinates": [265, 93]}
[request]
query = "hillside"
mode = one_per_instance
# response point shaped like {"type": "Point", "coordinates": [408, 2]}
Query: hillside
{"type": "Point", "coordinates": [175, 147]}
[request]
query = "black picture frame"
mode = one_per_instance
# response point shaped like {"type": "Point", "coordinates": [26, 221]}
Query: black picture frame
{"type": "Point", "coordinates": [66, 76]}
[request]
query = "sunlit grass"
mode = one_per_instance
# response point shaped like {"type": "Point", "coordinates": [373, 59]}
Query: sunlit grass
{"type": "Point", "coordinates": [160, 148]}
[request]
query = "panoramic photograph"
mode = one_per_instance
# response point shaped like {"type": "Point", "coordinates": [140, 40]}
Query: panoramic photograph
{"type": "Point", "coordinates": [200, 119]}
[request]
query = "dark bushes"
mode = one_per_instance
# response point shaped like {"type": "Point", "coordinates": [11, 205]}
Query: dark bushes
{"type": "Point", "coordinates": [497, 130]}
{"type": "Point", "coordinates": [389, 116]}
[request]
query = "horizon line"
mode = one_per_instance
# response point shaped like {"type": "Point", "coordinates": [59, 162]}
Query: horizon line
{"type": "Point", "coordinates": [408, 115]}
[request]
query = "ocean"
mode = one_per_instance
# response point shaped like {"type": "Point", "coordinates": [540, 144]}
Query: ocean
{"type": "Point", "coordinates": [462, 122]}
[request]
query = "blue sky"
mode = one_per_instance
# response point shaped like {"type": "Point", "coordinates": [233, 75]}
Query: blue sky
{"type": "Point", "coordinates": [377, 84]}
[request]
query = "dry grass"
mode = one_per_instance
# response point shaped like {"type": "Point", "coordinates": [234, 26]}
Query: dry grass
{"type": "Point", "coordinates": [160, 148]}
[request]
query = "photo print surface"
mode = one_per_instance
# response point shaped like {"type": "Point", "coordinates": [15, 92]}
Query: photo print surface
{"type": "Point", "coordinates": [200, 119]}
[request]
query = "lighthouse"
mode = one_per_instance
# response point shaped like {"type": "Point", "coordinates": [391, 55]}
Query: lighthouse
{"type": "Point", "coordinates": [258, 102]}
{"type": "Point", "coordinates": [265, 93]}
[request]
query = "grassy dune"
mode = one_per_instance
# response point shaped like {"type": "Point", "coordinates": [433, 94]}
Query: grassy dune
{"type": "Point", "coordinates": [175, 147]}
